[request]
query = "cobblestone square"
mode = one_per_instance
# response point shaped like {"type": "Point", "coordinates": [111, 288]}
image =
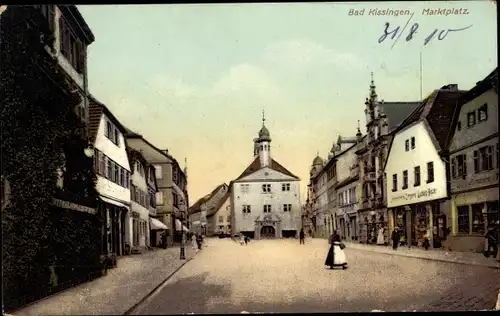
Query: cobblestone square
{"type": "Point", "coordinates": [283, 276]}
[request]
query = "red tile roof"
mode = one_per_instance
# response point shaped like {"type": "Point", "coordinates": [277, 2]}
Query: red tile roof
{"type": "Point", "coordinates": [255, 166]}
{"type": "Point", "coordinates": [437, 109]}
{"type": "Point", "coordinates": [212, 211]}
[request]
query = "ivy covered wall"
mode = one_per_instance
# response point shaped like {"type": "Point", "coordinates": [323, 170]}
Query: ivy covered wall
{"type": "Point", "coordinates": [38, 125]}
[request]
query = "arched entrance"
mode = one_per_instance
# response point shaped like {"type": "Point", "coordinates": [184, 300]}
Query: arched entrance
{"type": "Point", "coordinates": [267, 232]}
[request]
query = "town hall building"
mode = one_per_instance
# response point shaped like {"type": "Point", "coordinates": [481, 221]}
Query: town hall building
{"type": "Point", "coordinates": [265, 198]}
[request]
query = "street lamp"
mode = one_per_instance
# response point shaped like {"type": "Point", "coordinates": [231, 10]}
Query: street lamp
{"type": "Point", "coordinates": [89, 152]}
{"type": "Point", "coordinates": [183, 251]}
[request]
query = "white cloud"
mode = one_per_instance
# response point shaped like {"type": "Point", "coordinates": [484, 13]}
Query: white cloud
{"type": "Point", "coordinates": [305, 53]}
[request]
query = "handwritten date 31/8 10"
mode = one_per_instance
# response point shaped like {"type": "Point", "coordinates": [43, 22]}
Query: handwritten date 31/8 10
{"type": "Point", "coordinates": [397, 31]}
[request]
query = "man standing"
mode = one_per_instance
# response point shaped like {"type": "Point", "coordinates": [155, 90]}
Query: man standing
{"type": "Point", "coordinates": [395, 238]}
{"type": "Point", "coordinates": [302, 236]}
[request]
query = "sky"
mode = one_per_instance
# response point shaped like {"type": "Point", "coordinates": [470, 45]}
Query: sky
{"type": "Point", "coordinates": [195, 78]}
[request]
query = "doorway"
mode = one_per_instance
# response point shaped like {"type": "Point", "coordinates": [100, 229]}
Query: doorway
{"type": "Point", "coordinates": [267, 232]}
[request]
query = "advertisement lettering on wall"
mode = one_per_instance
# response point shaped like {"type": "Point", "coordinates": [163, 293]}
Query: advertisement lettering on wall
{"type": "Point", "coordinates": [414, 197]}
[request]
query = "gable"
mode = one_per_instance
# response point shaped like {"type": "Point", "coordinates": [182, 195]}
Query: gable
{"type": "Point", "coordinates": [424, 143]}
{"type": "Point", "coordinates": [274, 165]}
{"type": "Point", "coordinates": [267, 174]}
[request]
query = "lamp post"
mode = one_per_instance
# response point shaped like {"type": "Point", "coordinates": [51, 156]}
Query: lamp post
{"type": "Point", "coordinates": [183, 251]}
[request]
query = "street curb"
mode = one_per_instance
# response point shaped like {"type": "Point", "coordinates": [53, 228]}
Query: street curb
{"type": "Point", "coordinates": [156, 289]}
{"type": "Point", "coordinates": [429, 259]}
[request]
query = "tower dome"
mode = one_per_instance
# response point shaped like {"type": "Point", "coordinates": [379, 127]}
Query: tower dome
{"type": "Point", "coordinates": [264, 134]}
{"type": "Point", "coordinates": [318, 161]}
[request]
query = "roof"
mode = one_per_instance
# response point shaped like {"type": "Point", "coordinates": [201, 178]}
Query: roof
{"type": "Point", "coordinates": [318, 161]}
{"type": "Point", "coordinates": [481, 87]}
{"type": "Point", "coordinates": [75, 13]}
{"type": "Point", "coordinates": [347, 140]}
{"type": "Point", "coordinates": [96, 110]}
{"type": "Point", "coordinates": [397, 111]}
{"type": "Point", "coordinates": [437, 111]}
{"type": "Point", "coordinates": [255, 166]}
{"type": "Point", "coordinates": [213, 210]}
{"type": "Point", "coordinates": [196, 207]}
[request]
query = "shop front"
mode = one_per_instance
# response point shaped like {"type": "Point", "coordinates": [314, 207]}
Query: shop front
{"type": "Point", "coordinates": [419, 221]}
{"type": "Point", "coordinates": [347, 223]}
{"type": "Point", "coordinates": [114, 214]}
{"type": "Point", "coordinates": [472, 213]}
{"type": "Point", "coordinates": [373, 227]}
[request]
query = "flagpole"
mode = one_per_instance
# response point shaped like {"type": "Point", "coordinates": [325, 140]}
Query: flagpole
{"type": "Point", "coordinates": [421, 77]}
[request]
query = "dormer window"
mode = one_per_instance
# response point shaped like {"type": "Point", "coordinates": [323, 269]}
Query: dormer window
{"type": "Point", "coordinates": [112, 133]}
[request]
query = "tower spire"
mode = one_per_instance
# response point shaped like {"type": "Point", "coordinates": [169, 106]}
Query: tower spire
{"type": "Point", "coordinates": [373, 93]}
{"type": "Point", "coordinates": [263, 117]}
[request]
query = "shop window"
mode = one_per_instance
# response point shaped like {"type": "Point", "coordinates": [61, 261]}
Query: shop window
{"type": "Point", "coordinates": [463, 219]}
{"type": "Point", "coordinates": [477, 218]}
{"type": "Point", "coordinates": [492, 213]}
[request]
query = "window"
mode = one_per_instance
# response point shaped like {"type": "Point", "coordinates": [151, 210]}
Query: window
{"type": "Point", "coordinates": [267, 208]}
{"type": "Point", "coordinates": [482, 113]}
{"type": "Point", "coordinates": [158, 172]}
{"type": "Point", "coordinates": [175, 199]}
{"type": "Point", "coordinates": [49, 12]}
{"type": "Point", "coordinates": [244, 188]}
{"type": "Point", "coordinates": [109, 129]}
{"type": "Point", "coordinates": [229, 218]}
{"type": "Point", "coordinates": [109, 165]}
{"type": "Point", "coordinates": [463, 219]}
{"type": "Point", "coordinates": [405, 179]}
{"type": "Point", "coordinates": [416, 175]}
{"type": "Point", "coordinates": [287, 207]}
{"type": "Point", "coordinates": [407, 145]}
{"type": "Point", "coordinates": [247, 209]}
{"type": "Point", "coordinates": [266, 188]}
{"type": "Point", "coordinates": [413, 143]}
{"type": "Point", "coordinates": [394, 182]}
{"type": "Point", "coordinates": [483, 159]}
{"type": "Point", "coordinates": [174, 176]}
{"type": "Point", "coordinates": [159, 198]}
{"type": "Point", "coordinates": [471, 119]}
{"type": "Point", "coordinates": [459, 125]}
{"type": "Point", "coordinates": [122, 177]}
{"type": "Point", "coordinates": [492, 213]}
{"type": "Point", "coordinates": [116, 176]}
{"type": "Point", "coordinates": [71, 47]}
{"type": "Point", "coordinates": [127, 179]}
{"type": "Point", "coordinates": [461, 164]}
{"type": "Point", "coordinates": [477, 218]}
{"type": "Point", "coordinates": [285, 187]}
{"type": "Point", "coordinates": [102, 163]}
{"type": "Point", "coordinates": [221, 219]}
{"type": "Point", "coordinates": [430, 172]}
{"type": "Point", "coordinates": [341, 199]}
{"type": "Point", "coordinates": [116, 137]}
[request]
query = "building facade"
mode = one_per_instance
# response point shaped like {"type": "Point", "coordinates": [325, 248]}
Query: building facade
{"type": "Point", "coordinates": [143, 201]}
{"type": "Point", "coordinates": [219, 217]}
{"type": "Point", "coordinates": [321, 206]}
{"type": "Point", "coordinates": [474, 160]}
{"type": "Point", "coordinates": [418, 193]}
{"type": "Point", "coordinates": [113, 180]}
{"type": "Point", "coordinates": [381, 119]}
{"type": "Point", "coordinates": [347, 186]}
{"type": "Point", "coordinates": [265, 198]}
{"type": "Point", "coordinates": [172, 197]}
{"type": "Point", "coordinates": [205, 205]}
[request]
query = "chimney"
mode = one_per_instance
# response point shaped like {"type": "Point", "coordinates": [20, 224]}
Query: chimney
{"type": "Point", "coordinates": [452, 86]}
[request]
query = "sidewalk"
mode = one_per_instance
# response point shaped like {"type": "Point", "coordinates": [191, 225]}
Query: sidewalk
{"type": "Point", "coordinates": [124, 286]}
{"type": "Point", "coordinates": [431, 254]}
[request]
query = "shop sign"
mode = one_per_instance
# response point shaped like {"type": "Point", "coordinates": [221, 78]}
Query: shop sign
{"type": "Point", "coordinates": [73, 206]}
{"type": "Point", "coordinates": [415, 195]}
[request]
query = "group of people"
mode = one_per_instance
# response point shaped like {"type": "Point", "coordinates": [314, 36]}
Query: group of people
{"type": "Point", "coordinates": [196, 241]}
{"type": "Point", "coordinates": [492, 240]}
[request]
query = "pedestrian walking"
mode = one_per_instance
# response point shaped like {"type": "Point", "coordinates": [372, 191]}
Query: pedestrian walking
{"type": "Point", "coordinates": [242, 239]}
{"type": "Point", "coordinates": [247, 240]}
{"type": "Point", "coordinates": [395, 238]}
{"type": "Point", "coordinates": [336, 255]}
{"type": "Point", "coordinates": [199, 241]}
{"type": "Point", "coordinates": [492, 239]}
{"type": "Point", "coordinates": [302, 236]}
{"type": "Point", "coordinates": [194, 244]}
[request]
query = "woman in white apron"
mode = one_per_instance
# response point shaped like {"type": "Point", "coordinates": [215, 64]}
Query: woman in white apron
{"type": "Point", "coordinates": [336, 255]}
{"type": "Point", "coordinates": [193, 242]}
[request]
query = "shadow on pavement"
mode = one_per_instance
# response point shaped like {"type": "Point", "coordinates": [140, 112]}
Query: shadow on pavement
{"type": "Point", "coordinates": [187, 295]}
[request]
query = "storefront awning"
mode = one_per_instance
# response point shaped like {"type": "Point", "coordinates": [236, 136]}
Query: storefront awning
{"type": "Point", "coordinates": [116, 203]}
{"type": "Point", "coordinates": [179, 226]}
{"type": "Point", "coordinates": [156, 224]}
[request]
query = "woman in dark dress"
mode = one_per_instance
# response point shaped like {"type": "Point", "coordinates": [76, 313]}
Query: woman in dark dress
{"type": "Point", "coordinates": [330, 257]}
